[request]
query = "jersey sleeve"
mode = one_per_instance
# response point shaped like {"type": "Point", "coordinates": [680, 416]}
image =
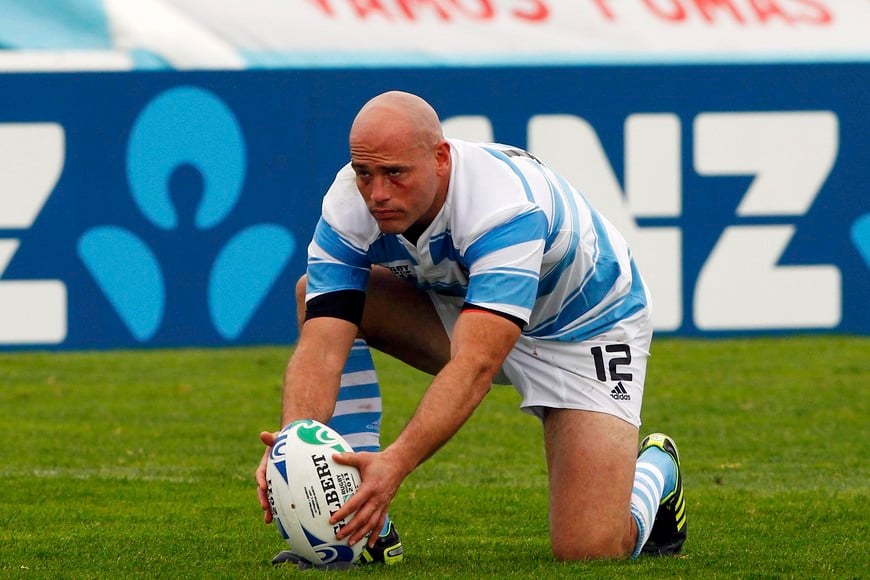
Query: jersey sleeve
{"type": "Point", "coordinates": [335, 263]}
{"type": "Point", "coordinates": [505, 263]}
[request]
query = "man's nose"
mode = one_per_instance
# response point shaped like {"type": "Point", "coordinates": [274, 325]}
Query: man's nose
{"type": "Point", "coordinates": [380, 191]}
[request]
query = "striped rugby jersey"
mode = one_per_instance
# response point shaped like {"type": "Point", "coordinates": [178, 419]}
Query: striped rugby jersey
{"type": "Point", "coordinates": [513, 236]}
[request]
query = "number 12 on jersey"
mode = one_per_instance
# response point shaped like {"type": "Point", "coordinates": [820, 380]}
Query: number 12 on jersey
{"type": "Point", "coordinates": [617, 354]}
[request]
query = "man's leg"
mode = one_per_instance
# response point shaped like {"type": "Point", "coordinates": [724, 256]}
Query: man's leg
{"type": "Point", "coordinates": [604, 503]}
{"type": "Point", "coordinates": [401, 321]}
{"type": "Point", "coordinates": [591, 460]}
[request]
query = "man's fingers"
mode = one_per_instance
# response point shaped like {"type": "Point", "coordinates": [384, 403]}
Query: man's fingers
{"type": "Point", "coordinates": [268, 440]}
{"type": "Point", "coordinates": [264, 503]}
{"type": "Point", "coordinates": [373, 537]}
{"type": "Point", "coordinates": [359, 497]}
{"type": "Point", "coordinates": [360, 508]}
{"type": "Point", "coordinates": [263, 497]}
{"type": "Point", "coordinates": [356, 502]}
{"type": "Point", "coordinates": [366, 514]}
{"type": "Point", "coordinates": [369, 527]}
{"type": "Point", "coordinates": [260, 473]}
{"type": "Point", "coordinates": [348, 458]}
{"type": "Point", "coordinates": [360, 525]}
{"type": "Point", "coordinates": [368, 505]}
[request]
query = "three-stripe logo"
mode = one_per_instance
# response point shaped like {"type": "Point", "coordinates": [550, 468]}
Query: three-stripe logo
{"type": "Point", "coordinates": [619, 393]}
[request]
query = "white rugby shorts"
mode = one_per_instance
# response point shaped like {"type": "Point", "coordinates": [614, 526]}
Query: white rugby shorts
{"type": "Point", "coordinates": [605, 374]}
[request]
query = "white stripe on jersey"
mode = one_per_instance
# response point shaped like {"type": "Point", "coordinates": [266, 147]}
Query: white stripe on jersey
{"type": "Point", "coordinates": [513, 236]}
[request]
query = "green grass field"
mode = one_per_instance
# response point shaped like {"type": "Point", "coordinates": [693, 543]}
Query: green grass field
{"type": "Point", "coordinates": [139, 464]}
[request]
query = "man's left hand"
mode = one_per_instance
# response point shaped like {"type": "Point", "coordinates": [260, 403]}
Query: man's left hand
{"type": "Point", "coordinates": [381, 478]}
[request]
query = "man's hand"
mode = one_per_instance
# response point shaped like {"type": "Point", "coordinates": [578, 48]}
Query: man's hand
{"type": "Point", "coordinates": [381, 477]}
{"type": "Point", "coordinates": [268, 440]}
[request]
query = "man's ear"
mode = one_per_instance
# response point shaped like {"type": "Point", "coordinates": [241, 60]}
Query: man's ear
{"type": "Point", "coordinates": [442, 157]}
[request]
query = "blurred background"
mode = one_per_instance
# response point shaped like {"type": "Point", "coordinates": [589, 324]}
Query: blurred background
{"type": "Point", "coordinates": [162, 162]}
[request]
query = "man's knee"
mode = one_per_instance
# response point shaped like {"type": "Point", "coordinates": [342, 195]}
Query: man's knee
{"type": "Point", "coordinates": [301, 285]}
{"type": "Point", "coordinates": [590, 457]}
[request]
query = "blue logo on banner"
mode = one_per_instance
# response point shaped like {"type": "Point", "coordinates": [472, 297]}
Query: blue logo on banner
{"type": "Point", "coordinates": [861, 237]}
{"type": "Point", "coordinates": [184, 134]}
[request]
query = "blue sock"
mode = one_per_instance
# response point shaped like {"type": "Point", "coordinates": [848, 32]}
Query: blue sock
{"type": "Point", "coordinates": [358, 409]}
{"type": "Point", "coordinates": [655, 477]}
{"type": "Point", "coordinates": [666, 466]}
{"type": "Point", "coordinates": [357, 415]}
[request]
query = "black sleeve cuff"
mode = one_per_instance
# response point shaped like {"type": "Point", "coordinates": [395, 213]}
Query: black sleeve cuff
{"type": "Point", "coordinates": [518, 321]}
{"type": "Point", "coordinates": [344, 304]}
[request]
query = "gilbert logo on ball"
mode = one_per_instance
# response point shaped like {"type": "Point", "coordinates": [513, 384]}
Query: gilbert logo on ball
{"type": "Point", "coordinates": [305, 487]}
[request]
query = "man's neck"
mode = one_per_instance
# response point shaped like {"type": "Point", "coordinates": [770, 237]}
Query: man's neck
{"type": "Point", "coordinates": [413, 233]}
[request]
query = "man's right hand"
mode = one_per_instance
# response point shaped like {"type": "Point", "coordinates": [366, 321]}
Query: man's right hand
{"type": "Point", "coordinates": [268, 440]}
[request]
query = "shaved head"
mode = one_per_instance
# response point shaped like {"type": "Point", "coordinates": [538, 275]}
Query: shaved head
{"type": "Point", "coordinates": [397, 116]}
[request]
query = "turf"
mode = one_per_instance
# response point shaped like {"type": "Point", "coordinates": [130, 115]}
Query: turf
{"type": "Point", "coordinates": [139, 464]}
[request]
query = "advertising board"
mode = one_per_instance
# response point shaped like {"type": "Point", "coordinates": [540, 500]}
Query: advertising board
{"type": "Point", "coordinates": [152, 209]}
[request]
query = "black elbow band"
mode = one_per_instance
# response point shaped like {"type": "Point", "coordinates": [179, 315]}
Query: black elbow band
{"type": "Point", "coordinates": [344, 304]}
{"type": "Point", "coordinates": [518, 321]}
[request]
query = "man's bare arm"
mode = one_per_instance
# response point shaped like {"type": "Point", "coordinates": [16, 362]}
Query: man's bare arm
{"type": "Point", "coordinates": [480, 343]}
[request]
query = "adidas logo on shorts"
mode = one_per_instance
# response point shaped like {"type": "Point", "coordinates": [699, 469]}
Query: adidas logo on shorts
{"type": "Point", "coordinates": [619, 393]}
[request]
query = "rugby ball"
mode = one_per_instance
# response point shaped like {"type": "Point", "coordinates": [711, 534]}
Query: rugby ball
{"type": "Point", "coordinates": [305, 487]}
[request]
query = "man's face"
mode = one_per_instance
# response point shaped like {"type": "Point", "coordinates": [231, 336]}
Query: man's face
{"type": "Point", "coordinates": [401, 182]}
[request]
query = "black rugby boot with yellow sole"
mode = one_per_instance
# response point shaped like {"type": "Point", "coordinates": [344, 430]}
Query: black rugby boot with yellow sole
{"type": "Point", "coordinates": [669, 529]}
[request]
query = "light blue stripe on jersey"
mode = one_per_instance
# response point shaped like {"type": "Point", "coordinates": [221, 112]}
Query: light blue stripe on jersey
{"type": "Point", "coordinates": [504, 158]}
{"type": "Point", "coordinates": [504, 286]}
{"type": "Point", "coordinates": [621, 309]}
{"type": "Point", "coordinates": [347, 268]}
{"type": "Point", "coordinates": [560, 197]}
{"type": "Point", "coordinates": [452, 289]}
{"type": "Point", "coordinates": [334, 245]}
{"type": "Point", "coordinates": [387, 249]}
{"type": "Point", "coordinates": [593, 289]}
{"type": "Point", "coordinates": [531, 225]}
{"type": "Point", "coordinates": [331, 276]}
{"type": "Point", "coordinates": [558, 218]}
{"type": "Point", "coordinates": [441, 247]}
{"type": "Point", "coordinates": [595, 285]}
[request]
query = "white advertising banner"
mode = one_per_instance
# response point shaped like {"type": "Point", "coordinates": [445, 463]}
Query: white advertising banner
{"type": "Point", "coordinates": [234, 34]}
{"type": "Point", "coordinates": [522, 30]}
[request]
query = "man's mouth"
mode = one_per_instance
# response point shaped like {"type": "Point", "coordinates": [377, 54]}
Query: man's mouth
{"type": "Point", "coordinates": [383, 214]}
